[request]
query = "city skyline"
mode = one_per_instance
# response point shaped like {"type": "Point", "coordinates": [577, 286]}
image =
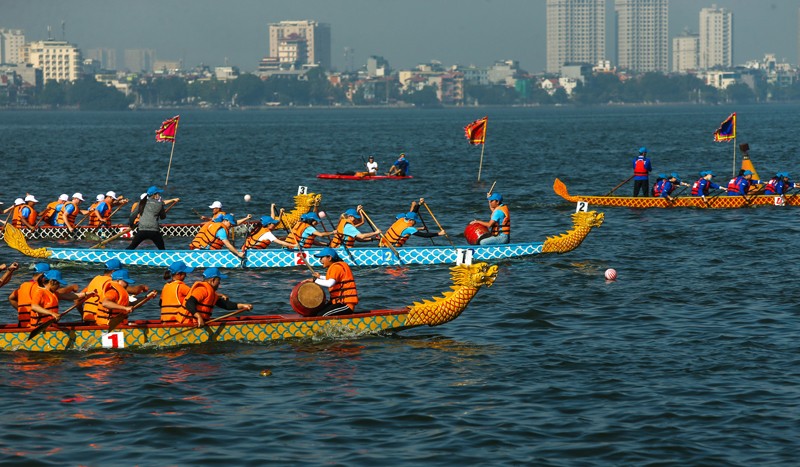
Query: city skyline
{"type": "Point", "coordinates": [415, 31]}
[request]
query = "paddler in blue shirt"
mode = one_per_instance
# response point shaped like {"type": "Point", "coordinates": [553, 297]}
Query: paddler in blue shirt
{"type": "Point", "coordinates": [400, 167]}
{"type": "Point", "coordinates": [671, 182]}
{"type": "Point", "coordinates": [499, 224]}
{"type": "Point", "coordinates": [641, 173]}
{"type": "Point", "coordinates": [702, 186]}
{"type": "Point", "coordinates": [658, 185]}
{"type": "Point", "coordinates": [741, 184]}
{"type": "Point", "coordinates": [779, 184]}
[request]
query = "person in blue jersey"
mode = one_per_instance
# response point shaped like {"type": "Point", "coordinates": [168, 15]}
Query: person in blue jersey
{"type": "Point", "coordinates": [347, 232]}
{"type": "Point", "coordinates": [499, 223]}
{"type": "Point", "coordinates": [641, 173]}
{"type": "Point", "coordinates": [400, 167]}
{"type": "Point", "coordinates": [305, 231]}
{"type": "Point", "coordinates": [779, 184]}
{"type": "Point", "coordinates": [658, 186]}
{"type": "Point", "coordinates": [404, 227]}
{"type": "Point", "coordinates": [670, 183]}
{"type": "Point", "coordinates": [704, 185]}
{"type": "Point", "coordinates": [741, 184]}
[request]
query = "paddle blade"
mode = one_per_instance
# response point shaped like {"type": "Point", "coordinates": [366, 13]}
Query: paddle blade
{"type": "Point", "coordinates": [92, 237]}
{"type": "Point", "coordinates": [40, 328]}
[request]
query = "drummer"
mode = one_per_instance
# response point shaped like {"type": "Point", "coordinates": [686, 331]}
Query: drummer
{"type": "Point", "coordinates": [340, 283]}
{"type": "Point", "coordinates": [203, 297]}
{"type": "Point", "coordinates": [499, 224]}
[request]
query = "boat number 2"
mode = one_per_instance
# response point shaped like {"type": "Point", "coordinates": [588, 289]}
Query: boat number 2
{"type": "Point", "coordinates": [113, 340]}
{"type": "Point", "coordinates": [302, 256]}
{"type": "Point", "coordinates": [581, 206]}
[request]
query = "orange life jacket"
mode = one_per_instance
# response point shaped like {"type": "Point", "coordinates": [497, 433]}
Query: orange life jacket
{"type": "Point", "coordinates": [173, 296]}
{"type": "Point", "coordinates": [207, 237]}
{"type": "Point", "coordinates": [339, 237]}
{"type": "Point", "coordinates": [393, 235]}
{"type": "Point", "coordinates": [92, 303]}
{"type": "Point", "coordinates": [62, 214]}
{"type": "Point", "coordinates": [94, 216]}
{"type": "Point", "coordinates": [297, 233]}
{"type": "Point", "coordinates": [505, 227]}
{"type": "Point", "coordinates": [344, 290]}
{"type": "Point", "coordinates": [104, 314]}
{"type": "Point", "coordinates": [24, 297]}
{"type": "Point", "coordinates": [16, 216]}
{"type": "Point", "coordinates": [45, 299]}
{"type": "Point", "coordinates": [253, 242]}
{"type": "Point", "coordinates": [49, 210]}
{"type": "Point", "coordinates": [206, 298]}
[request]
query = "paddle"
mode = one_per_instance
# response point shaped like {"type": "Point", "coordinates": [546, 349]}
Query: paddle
{"type": "Point", "coordinates": [492, 187]}
{"type": "Point", "coordinates": [619, 185]}
{"type": "Point", "coordinates": [375, 228]}
{"type": "Point", "coordinates": [41, 327]}
{"type": "Point", "coordinates": [117, 320]}
{"type": "Point", "coordinates": [437, 223]}
{"type": "Point", "coordinates": [211, 321]}
{"type": "Point", "coordinates": [300, 247]}
{"type": "Point", "coordinates": [112, 238]}
{"type": "Point", "coordinates": [426, 227]}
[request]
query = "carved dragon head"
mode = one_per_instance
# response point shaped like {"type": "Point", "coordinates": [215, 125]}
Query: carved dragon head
{"type": "Point", "coordinates": [588, 219]}
{"type": "Point", "coordinates": [474, 275]}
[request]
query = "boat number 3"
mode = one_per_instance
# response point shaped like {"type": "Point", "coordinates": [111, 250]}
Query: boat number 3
{"type": "Point", "coordinates": [301, 256]}
{"type": "Point", "coordinates": [581, 206]}
{"type": "Point", "coordinates": [302, 190]}
{"type": "Point", "coordinates": [464, 256]}
{"type": "Point", "coordinates": [113, 340]}
{"type": "Point", "coordinates": [779, 201]}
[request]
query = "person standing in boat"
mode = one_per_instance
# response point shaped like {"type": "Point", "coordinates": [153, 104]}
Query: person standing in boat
{"type": "Point", "coordinates": [338, 278]}
{"type": "Point", "coordinates": [203, 297]}
{"type": "Point", "coordinates": [400, 167]}
{"type": "Point", "coordinates": [641, 173]}
{"type": "Point", "coordinates": [499, 224]}
{"type": "Point", "coordinates": [372, 166]}
{"type": "Point", "coordinates": [149, 211]}
{"type": "Point", "coordinates": [347, 230]}
{"type": "Point", "coordinates": [704, 184]}
{"type": "Point", "coordinates": [174, 293]}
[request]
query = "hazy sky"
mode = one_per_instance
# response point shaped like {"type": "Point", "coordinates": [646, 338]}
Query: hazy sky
{"type": "Point", "coordinates": [405, 32]}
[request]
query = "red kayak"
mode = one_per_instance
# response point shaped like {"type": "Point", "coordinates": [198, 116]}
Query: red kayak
{"type": "Point", "coordinates": [362, 176]}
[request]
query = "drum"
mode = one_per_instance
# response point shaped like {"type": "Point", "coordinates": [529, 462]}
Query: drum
{"type": "Point", "coordinates": [307, 298]}
{"type": "Point", "coordinates": [475, 233]}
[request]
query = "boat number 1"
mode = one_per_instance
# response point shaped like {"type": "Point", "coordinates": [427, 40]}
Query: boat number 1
{"type": "Point", "coordinates": [113, 340]}
{"type": "Point", "coordinates": [581, 206]}
{"type": "Point", "coordinates": [464, 256]}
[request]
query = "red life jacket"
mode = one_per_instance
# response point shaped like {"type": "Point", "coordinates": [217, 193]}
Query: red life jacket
{"type": "Point", "coordinates": [639, 168]}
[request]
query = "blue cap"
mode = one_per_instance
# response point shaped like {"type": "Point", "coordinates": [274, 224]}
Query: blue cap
{"type": "Point", "coordinates": [786, 174]}
{"type": "Point", "coordinates": [352, 212]}
{"type": "Point", "coordinates": [229, 218]}
{"type": "Point", "coordinates": [265, 220]}
{"type": "Point", "coordinates": [327, 251]}
{"type": "Point", "coordinates": [211, 273]}
{"type": "Point", "coordinates": [179, 266]}
{"type": "Point", "coordinates": [747, 172]}
{"type": "Point", "coordinates": [708, 172]}
{"type": "Point", "coordinates": [53, 275]}
{"type": "Point", "coordinates": [413, 216]}
{"type": "Point", "coordinates": [113, 264]}
{"type": "Point", "coordinates": [310, 216]}
{"type": "Point", "coordinates": [495, 197]}
{"type": "Point", "coordinates": [41, 267]}
{"type": "Point", "coordinates": [122, 274]}
{"type": "Point", "coordinates": [675, 175]}
{"type": "Point", "coordinates": [153, 190]}
{"type": "Point", "coordinates": [400, 216]}
{"type": "Point", "coordinates": [662, 175]}
{"type": "Point", "coordinates": [642, 150]}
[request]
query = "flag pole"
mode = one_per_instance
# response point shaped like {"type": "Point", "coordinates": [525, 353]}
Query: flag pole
{"type": "Point", "coordinates": [734, 156]}
{"type": "Point", "coordinates": [169, 166]}
{"type": "Point", "coordinates": [483, 146]}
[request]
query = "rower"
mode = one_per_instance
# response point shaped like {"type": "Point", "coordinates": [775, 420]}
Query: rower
{"type": "Point", "coordinates": [51, 210]}
{"type": "Point", "coordinates": [96, 285]}
{"type": "Point", "coordinates": [101, 216]}
{"type": "Point", "coordinates": [742, 184]}
{"type": "Point", "coordinates": [8, 272]}
{"type": "Point", "coordinates": [670, 183]}
{"type": "Point", "coordinates": [115, 299]}
{"type": "Point", "coordinates": [404, 227]}
{"type": "Point", "coordinates": [338, 278]}
{"type": "Point", "coordinates": [22, 297]}
{"type": "Point", "coordinates": [174, 292]}
{"type": "Point", "coordinates": [305, 230]}
{"type": "Point", "coordinates": [214, 235]}
{"type": "Point", "coordinates": [347, 230]}
{"type": "Point", "coordinates": [702, 186]}
{"type": "Point", "coordinates": [68, 213]}
{"type": "Point", "coordinates": [262, 236]}
{"type": "Point", "coordinates": [44, 300]}
{"type": "Point", "coordinates": [24, 215]}
{"type": "Point", "coordinates": [779, 184]}
{"type": "Point", "coordinates": [216, 210]}
{"type": "Point", "coordinates": [203, 297]}
{"type": "Point", "coordinates": [499, 224]}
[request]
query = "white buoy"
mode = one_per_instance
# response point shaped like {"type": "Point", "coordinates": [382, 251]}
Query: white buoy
{"type": "Point", "coordinates": [247, 198]}
{"type": "Point", "coordinates": [611, 274]}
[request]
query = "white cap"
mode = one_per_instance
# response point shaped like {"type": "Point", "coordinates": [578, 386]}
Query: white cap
{"type": "Point", "coordinates": [101, 197]}
{"type": "Point", "coordinates": [112, 195]}
{"type": "Point", "coordinates": [19, 201]}
{"type": "Point", "coordinates": [144, 195]}
{"type": "Point", "coordinates": [31, 198]}
{"type": "Point", "coordinates": [63, 197]}
{"type": "Point", "coordinates": [78, 196]}
{"type": "Point", "coordinates": [216, 204]}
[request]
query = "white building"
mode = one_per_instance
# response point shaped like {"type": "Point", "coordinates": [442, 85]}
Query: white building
{"type": "Point", "coordinates": [642, 35]}
{"type": "Point", "coordinates": [716, 38]}
{"type": "Point", "coordinates": [576, 32]}
{"type": "Point", "coordinates": [11, 43]}
{"type": "Point", "coordinates": [301, 43]}
{"type": "Point", "coordinates": [58, 60]}
{"type": "Point", "coordinates": [721, 79]}
{"type": "Point", "coordinates": [685, 53]}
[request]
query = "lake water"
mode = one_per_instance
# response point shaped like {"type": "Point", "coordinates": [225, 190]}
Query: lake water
{"type": "Point", "coordinates": [689, 358]}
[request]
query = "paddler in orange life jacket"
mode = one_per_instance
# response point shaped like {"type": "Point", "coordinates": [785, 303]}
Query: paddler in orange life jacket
{"type": "Point", "coordinates": [261, 237]}
{"type": "Point", "coordinates": [174, 293]}
{"type": "Point", "coordinates": [25, 214]}
{"type": "Point", "coordinates": [20, 298]}
{"type": "Point", "coordinates": [404, 227]}
{"type": "Point", "coordinates": [68, 213]}
{"type": "Point", "coordinates": [305, 230]}
{"type": "Point", "coordinates": [203, 297]}
{"type": "Point", "coordinates": [641, 173]}
{"type": "Point", "coordinates": [347, 230]}
{"type": "Point", "coordinates": [214, 235]}
{"type": "Point", "coordinates": [45, 299]}
{"type": "Point", "coordinates": [338, 278]}
{"type": "Point", "coordinates": [48, 215]}
{"type": "Point", "coordinates": [101, 216]}
{"type": "Point", "coordinates": [704, 184]}
{"type": "Point", "coordinates": [115, 299]}
{"type": "Point", "coordinates": [92, 304]}
{"type": "Point", "coordinates": [741, 184]}
{"type": "Point", "coordinates": [499, 224]}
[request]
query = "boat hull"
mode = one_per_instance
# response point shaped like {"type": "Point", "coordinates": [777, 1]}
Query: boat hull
{"type": "Point", "coordinates": [151, 333]}
{"type": "Point", "coordinates": [54, 232]}
{"type": "Point", "coordinates": [362, 177]}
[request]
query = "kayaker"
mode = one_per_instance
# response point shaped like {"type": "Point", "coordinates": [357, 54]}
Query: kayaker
{"type": "Point", "coordinates": [338, 278]}
{"type": "Point", "coordinates": [203, 297]}
{"type": "Point", "coordinates": [262, 236]}
{"type": "Point", "coordinates": [347, 229]}
{"type": "Point", "coordinates": [149, 211]}
{"type": "Point", "coordinates": [214, 235]}
{"type": "Point", "coordinates": [400, 167]}
{"type": "Point", "coordinates": [91, 305]}
{"type": "Point", "coordinates": [24, 215]}
{"type": "Point", "coordinates": [44, 300]}
{"type": "Point", "coordinates": [306, 231]}
{"type": "Point", "coordinates": [174, 292]}
{"type": "Point", "coordinates": [372, 166]}
{"type": "Point", "coordinates": [704, 184]}
{"type": "Point", "coordinates": [499, 224]}
{"type": "Point", "coordinates": [641, 172]}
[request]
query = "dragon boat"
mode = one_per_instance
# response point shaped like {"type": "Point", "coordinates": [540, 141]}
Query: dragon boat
{"type": "Point", "coordinates": [716, 201]}
{"type": "Point", "coordinates": [304, 202]}
{"type": "Point", "coordinates": [362, 176]}
{"type": "Point", "coordinates": [467, 280]}
{"type": "Point", "coordinates": [583, 223]}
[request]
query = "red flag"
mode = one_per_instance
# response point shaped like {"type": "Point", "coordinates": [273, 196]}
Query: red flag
{"type": "Point", "coordinates": [168, 130]}
{"type": "Point", "coordinates": [727, 129]}
{"type": "Point", "coordinates": [476, 131]}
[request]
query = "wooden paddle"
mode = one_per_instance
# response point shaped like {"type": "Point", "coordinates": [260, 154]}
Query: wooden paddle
{"type": "Point", "coordinates": [300, 247]}
{"type": "Point", "coordinates": [211, 321]}
{"type": "Point", "coordinates": [619, 185]}
{"type": "Point", "coordinates": [41, 327]}
{"type": "Point", "coordinates": [375, 228]}
{"type": "Point", "coordinates": [117, 320]}
{"type": "Point", "coordinates": [492, 187]}
{"type": "Point", "coordinates": [112, 238]}
{"type": "Point", "coordinates": [437, 223]}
